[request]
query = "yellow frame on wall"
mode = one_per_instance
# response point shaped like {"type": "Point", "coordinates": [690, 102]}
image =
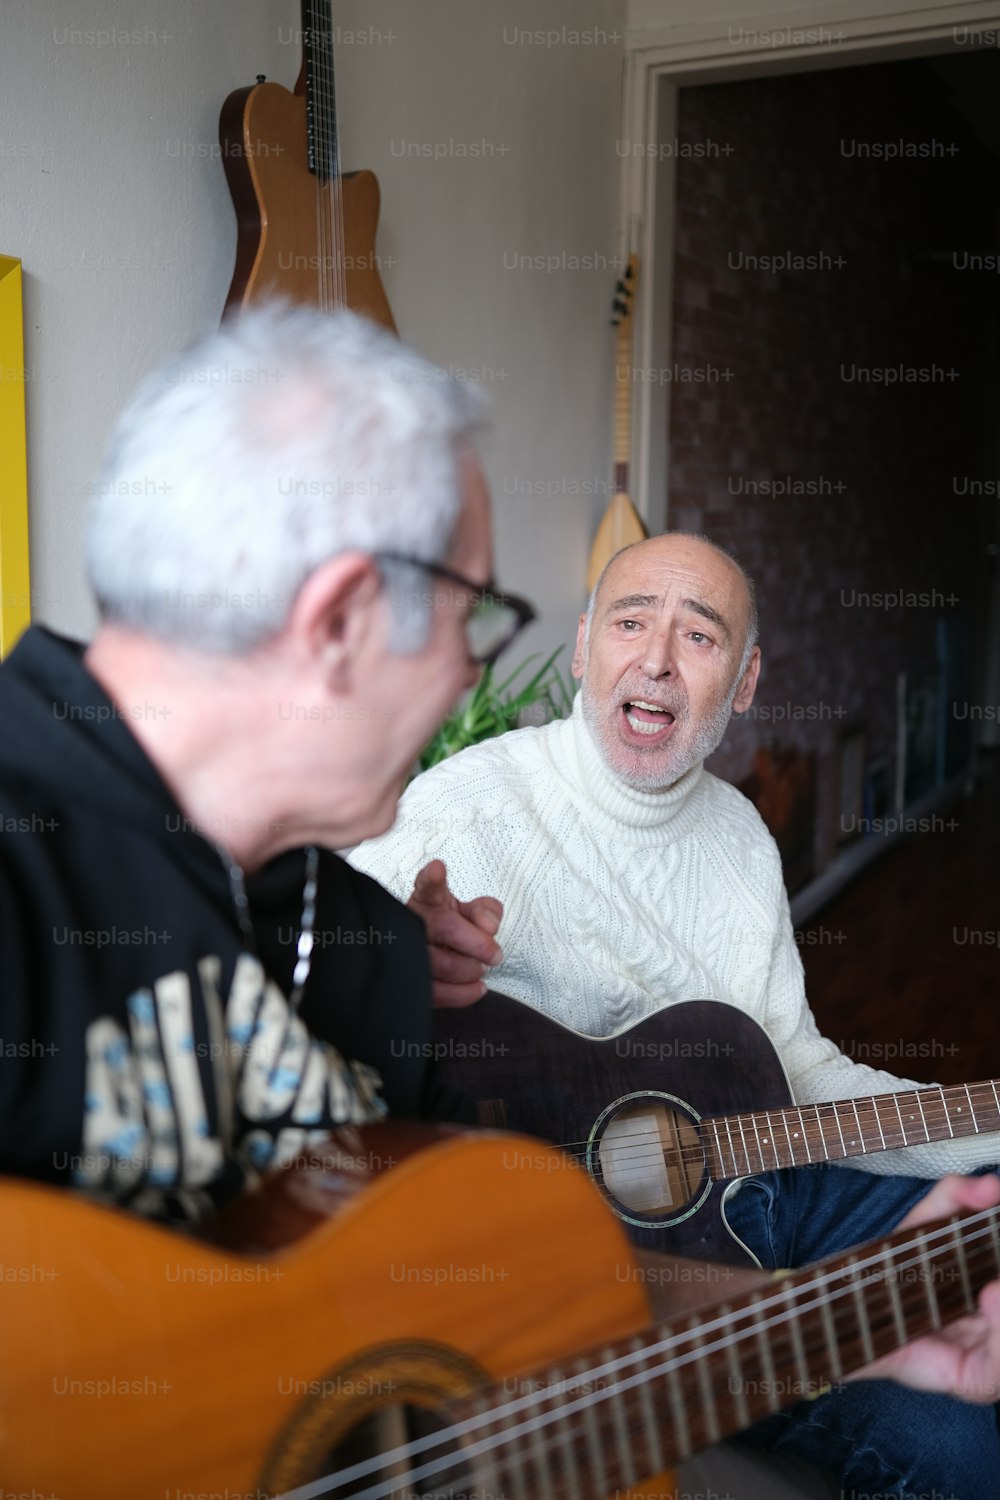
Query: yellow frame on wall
{"type": "Point", "coordinates": [15, 577]}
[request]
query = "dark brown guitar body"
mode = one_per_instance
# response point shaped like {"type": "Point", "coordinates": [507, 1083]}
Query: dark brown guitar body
{"type": "Point", "coordinates": [667, 1115]}
{"type": "Point", "coordinates": [299, 237]}
{"type": "Point", "coordinates": [685, 1063]}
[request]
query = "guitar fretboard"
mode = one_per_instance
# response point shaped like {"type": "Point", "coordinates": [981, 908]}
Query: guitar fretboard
{"type": "Point", "coordinates": [739, 1145]}
{"type": "Point", "coordinates": [321, 99]}
{"type": "Point", "coordinates": [615, 1416]}
{"type": "Point", "coordinates": [623, 376]}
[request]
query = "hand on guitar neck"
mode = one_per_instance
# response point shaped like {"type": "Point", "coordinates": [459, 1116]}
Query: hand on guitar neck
{"type": "Point", "coordinates": [964, 1357]}
{"type": "Point", "coordinates": [461, 936]}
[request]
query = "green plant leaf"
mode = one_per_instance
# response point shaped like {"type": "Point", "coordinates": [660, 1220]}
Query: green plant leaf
{"type": "Point", "coordinates": [487, 712]}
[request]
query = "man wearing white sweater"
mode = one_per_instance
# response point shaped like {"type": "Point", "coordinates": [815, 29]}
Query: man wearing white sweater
{"type": "Point", "coordinates": [631, 878]}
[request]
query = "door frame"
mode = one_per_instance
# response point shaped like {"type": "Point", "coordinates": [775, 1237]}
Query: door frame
{"type": "Point", "coordinates": [660, 59]}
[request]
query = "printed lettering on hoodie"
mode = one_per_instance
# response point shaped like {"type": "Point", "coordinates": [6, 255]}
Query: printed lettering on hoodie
{"type": "Point", "coordinates": [146, 1124]}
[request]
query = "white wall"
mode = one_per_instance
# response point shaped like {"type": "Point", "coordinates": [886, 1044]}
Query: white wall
{"type": "Point", "coordinates": [123, 220]}
{"type": "Point", "coordinates": [127, 243]}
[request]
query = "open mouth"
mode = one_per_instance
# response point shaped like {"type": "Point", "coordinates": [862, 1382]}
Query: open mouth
{"type": "Point", "coordinates": [647, 719]}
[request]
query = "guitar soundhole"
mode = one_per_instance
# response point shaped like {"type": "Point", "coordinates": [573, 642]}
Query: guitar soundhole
{"type": "Point", "coordinates": [356, 1424]}
{"type": "Point", "coordinates": [386, 1435]}
{"type": "Point", "coordinates": [646, 1155]}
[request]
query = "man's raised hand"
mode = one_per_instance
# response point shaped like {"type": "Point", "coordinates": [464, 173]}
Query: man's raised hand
{"type": "Point", "coordinates": [460, 934]}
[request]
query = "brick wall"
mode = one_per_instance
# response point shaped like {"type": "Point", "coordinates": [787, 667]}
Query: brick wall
{"type": "Point", "coordinates": [877, 466]}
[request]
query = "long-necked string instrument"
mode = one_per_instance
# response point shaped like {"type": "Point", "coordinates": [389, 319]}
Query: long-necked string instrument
{"type": "Point", "coordinates": [621, 524]}
{"type": "Point", "coordinates": [595, 1425]}
{"type": "Point", "coordinates": [666, 1114]}
{"type": "Point", "coordinates": [306, 229]}
{"type": "Point", "coordinates": [429, 1279]}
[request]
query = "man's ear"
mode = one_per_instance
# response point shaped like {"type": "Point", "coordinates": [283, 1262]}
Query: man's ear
{"type": "Point", "coordinates": [748, 683]}
{"type": "Point", "coordinates": [576, 666]}
{"type": "Point", "coordinates": [335, 613]}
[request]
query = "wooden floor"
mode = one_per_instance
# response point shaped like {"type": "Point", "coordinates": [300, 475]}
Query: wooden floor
{"type": "Point", "coordinates": [903, 968]}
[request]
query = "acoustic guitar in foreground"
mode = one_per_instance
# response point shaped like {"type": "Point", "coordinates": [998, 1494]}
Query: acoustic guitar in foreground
{"type": "Point", "coordinates": [431, 1328]}
{"type": "Point", "coordinates": [306, 230]}
{"type": "Point", "coordinates": [667, 1115]}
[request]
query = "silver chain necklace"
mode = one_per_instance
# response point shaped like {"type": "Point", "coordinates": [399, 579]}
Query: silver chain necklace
{"type": "Point", "coordinates": [307, 926]}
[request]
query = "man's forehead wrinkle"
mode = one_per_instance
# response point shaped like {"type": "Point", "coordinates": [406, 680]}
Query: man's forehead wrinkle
{"type": "Point", "coordinates": [708, 577]}
{"type": "Point", "coordinates": [633, 601]}
{"type": "Point", "coordinates": [659, 572]}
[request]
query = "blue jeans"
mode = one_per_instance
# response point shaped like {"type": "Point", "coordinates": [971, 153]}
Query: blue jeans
{"type": "Point", "coordinates": [877, 1438]}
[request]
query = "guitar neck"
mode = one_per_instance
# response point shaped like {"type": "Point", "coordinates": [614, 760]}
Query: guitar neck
{"type": "Point", "coordinates": [739, 1145]}
{"type": "Point", "coordinates": [622, 434]}
{"type": "Point", "coordinates": [321, 99]}
{"type": "Point", "coordinates": [606, 1420]}
{"type": "Point", "coordinates": [622, 446]}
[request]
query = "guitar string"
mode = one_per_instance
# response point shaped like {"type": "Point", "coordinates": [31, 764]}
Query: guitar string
{"type": "Point", "coordinates": [323, 165]}
{"type": "Point", "coordinates": [642, 1147]}
{"type": "Point", "coordinates": [332, 263]}
{"type": "Point", "coordinates": [883, 1259]}
{"type": "Point", "coordinates": [933, 1112]}
{"type": "Point", "coordinates": [335, 187]}
{"type": "Point", "coordinates": [317, 146]}
{"type": "Point", "coordinates": [825, 1111]}
{"type": "Point", "coordinates": [331, 268]}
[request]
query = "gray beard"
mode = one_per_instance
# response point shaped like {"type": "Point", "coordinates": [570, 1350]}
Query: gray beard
{"type": "Point", "coordinates": [662, 767]}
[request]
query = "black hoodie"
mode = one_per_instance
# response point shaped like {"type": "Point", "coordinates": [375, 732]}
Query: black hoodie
{"type": "Point", "coordinates": [145, 1055]}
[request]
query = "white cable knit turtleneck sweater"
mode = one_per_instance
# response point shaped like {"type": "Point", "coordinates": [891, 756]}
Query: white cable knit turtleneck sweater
{"type": "Point", "coordinates": [618, 902]}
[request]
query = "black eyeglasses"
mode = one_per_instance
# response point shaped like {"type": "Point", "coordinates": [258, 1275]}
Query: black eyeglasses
{"type": "Point", "coordinates": [494, 620]}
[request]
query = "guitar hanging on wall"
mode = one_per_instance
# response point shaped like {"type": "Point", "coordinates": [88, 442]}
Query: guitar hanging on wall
{"type": "Point", "coordinates": [306, 229]}
{"type": "Point", "coordinates": [621, 524]}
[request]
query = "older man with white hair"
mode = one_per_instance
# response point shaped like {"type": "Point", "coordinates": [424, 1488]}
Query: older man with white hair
{"type": "Point", "coordinates": [290, 549]}
{"type": "Point", "coordinates": [627, 878]}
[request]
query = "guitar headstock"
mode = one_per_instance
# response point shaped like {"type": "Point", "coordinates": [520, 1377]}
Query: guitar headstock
{"type": "Point", "coordinates": [621, 307]}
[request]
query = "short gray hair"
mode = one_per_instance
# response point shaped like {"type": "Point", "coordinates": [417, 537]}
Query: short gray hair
{"type": "Point", "coordinates": [284, 438]}
{"type": "Point", "coordinates": [753, 622]}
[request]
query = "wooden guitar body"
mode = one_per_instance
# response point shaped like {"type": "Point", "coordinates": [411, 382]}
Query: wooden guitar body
{"type": "Point", "coordinates": [451, 1317]}
{"type": "Point", "coordinates": [621, 524]}
{"type": "Point", "coordinates": [138, 1362]}
{"type": "Point", "coordinates": [692, 1060]}
{"type": "Point", "coordinates": [298, 238]}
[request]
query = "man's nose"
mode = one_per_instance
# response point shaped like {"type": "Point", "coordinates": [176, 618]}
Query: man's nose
{"type": "Point", "coordinates": [658, 657]}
